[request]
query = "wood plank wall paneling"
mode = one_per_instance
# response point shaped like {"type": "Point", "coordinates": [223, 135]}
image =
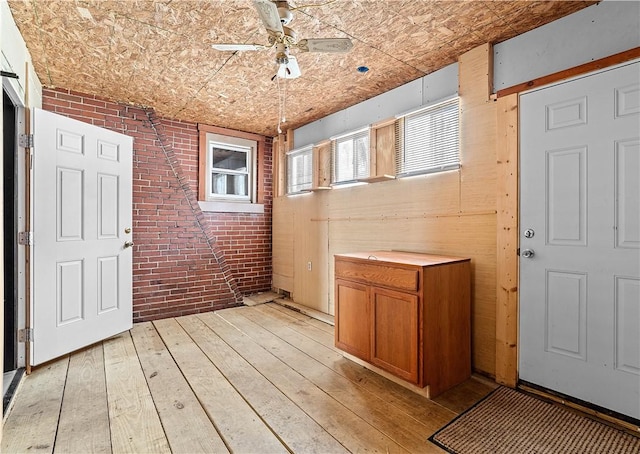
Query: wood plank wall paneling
{"type": "Point", "coordinates": [507, 241]}
{"type": "Point", "coordinates": [282, 219]}
{"type": "Point", "coordinates": [282, 243]}
{"type": "Point", "coordinates": [451, 213]}
{"type": "Point", "coordinates": [310, 257]}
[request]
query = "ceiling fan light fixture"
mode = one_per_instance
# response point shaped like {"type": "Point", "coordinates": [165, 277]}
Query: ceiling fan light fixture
{"type": "Point", "coordinates": [275, 16]}
{"type": "Point", "coordinates": [282, 58]}
{"type": "Point", "coordinates": [289, 70]}
{"type": "Point", "coordinates": [282, 54]}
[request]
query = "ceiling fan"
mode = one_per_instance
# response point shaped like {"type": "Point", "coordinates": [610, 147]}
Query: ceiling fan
{"type": "Point", "coordinates": [276, 16]}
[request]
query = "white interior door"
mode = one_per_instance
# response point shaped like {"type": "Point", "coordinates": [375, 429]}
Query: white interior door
{"type": "Point", "coordinates": [580, 215]}
{"type": "Point", "coordinates": [82, 263]}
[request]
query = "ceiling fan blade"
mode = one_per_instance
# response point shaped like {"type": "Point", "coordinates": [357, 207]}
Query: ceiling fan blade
{"type": "Point", "coordinates": [268, 12]}
{"type": "Point", "coordinates": [289, 70]}
{"type": "Point", "coordinates": [234, 47]}
{"type": "Point", "coordinates": [325, 45]}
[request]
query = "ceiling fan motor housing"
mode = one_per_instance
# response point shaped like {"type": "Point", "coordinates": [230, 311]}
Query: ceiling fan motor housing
{"type": "Point", "coordinates": [290, 37]}
{"type": "Point", "coordinates": [286, 16]}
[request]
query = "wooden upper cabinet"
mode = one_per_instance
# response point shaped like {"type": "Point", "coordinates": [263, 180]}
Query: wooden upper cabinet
{"type": "Point", "coordinates": [382, 146]}
{"type": "Point", "coordinates": [415, 310]}
{"type": "Point", "coordinates": [321, 158]}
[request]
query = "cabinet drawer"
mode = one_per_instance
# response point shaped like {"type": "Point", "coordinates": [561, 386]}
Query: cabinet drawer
{"type": "Point", "coordinates": [383, 275]}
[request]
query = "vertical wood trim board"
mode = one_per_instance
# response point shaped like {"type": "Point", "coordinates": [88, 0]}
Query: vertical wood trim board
{"type": "Point", "coordinates": [478, 177]}
{"type": "Point", "coordinates": [278, 177]}
{"type": "Point", "coordinates": [507, 241]}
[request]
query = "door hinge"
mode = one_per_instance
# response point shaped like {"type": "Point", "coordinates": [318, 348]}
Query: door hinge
{"type": "Point", "coordinates": [25, 140]}
{"type": "Point", "coordinates": [25, 238]}
{"type": "Point", "coordinates": [25, 335]}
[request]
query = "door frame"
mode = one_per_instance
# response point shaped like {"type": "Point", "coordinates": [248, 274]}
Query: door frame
{"type": "Point", "coordinates": [10, 247]}
{"type": "Point", "coordinates": [508, 208]}
{"type": "Point", "coordinates": [22, 216]}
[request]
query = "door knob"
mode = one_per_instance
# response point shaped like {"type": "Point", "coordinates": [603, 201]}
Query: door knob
{"type": "Point", "coordinates": [527, 253]}
{"type": "Point", "coordinates": [128, 244]}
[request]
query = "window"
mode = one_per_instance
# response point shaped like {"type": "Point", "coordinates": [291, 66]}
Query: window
{"type": "Point", "coordinates": [350, 157]}
{"type": "Point", "coordinates": [299, 170]}
{"type": "Point", "coordinates": [428, 139]}
{"type": "Point", "coordinates": [230, 166]}
{"type": "Point", "coordinates": [229, 171]}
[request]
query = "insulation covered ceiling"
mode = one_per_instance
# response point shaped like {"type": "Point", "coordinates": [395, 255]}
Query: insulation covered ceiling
{"type": "Point", "coordinates": [158, 53]}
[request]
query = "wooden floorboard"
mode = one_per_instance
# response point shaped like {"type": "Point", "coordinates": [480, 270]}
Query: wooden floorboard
{"type": "Point", "coordinates": [186, 424]}
{"type": "Point", "coordinates": [298, 431]}
{"type": "Point", "coordinates": [349, 429]}
{"type": "Point", "coordinates": [248, 379]}
{"type": "Point", "coordinates": [85, 405]}
{"type": "Point", "coordinates": [299, 316]}
{"type": "Point", "coordinates": [405, 430]}
{"type": "Point", "coordinates": [419, 407]}
{"type": "Point", "coordinates": [240, 426]}
{"type": "Point", "coordinates": [33, 422]}
{"type": "Point", "coordinates": [135, 425]}
{"type": "Point", "coordinates": [301, 325]}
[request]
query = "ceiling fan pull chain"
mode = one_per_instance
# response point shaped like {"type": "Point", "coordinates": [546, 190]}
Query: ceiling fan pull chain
{"type": "Point", "coordinates": [280, 108]}
{"type": "Point", "coordinates": [284, 102]}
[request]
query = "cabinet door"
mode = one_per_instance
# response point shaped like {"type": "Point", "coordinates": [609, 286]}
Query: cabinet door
{"type": "Point", "coordinates": [395, 333]}
{"type": "Point", "coordinates": [353, 318]}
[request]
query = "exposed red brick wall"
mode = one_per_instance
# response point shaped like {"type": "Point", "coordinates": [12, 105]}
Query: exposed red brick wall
{"type": "Point", "coordinates": [184, 261]}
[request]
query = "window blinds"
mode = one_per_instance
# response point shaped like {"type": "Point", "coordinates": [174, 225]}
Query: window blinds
{"type": "Point", "coordinates": [350, 157]}
{"type": "Point", "coordinates": [299, 170]}
{"type": "Point", "coordinates": [428, 139]}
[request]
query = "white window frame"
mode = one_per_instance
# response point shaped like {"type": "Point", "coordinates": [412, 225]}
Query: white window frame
{"type": "Point", "coordinates": [427, 150]}
{"type": "Point", "coordinates": [297, 187]}
{"type": "Point", "coordinates": [355, 175]}
{"type": "Point", "coordinates": [233, 144]}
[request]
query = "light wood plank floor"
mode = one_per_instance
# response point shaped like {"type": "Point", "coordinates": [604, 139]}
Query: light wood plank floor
{"type": "Point", "coordinates": [261, 379]}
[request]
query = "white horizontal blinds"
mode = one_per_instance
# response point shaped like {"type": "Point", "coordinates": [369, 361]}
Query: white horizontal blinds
{"type": "Point", "coordinates": [350, 157]}
{"type": "Point", "coordinates": [430, 139]}
{"type": "Point", "coordinates": [299, 170]}
{"type": "Point", "coordinates": [399, 127]}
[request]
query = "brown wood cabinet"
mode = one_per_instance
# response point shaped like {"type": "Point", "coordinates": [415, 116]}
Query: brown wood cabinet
{"type": "Point", "coordinates": [406, 313]}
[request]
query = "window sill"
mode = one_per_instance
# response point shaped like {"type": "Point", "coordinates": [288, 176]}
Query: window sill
{"type": "Point", "coordinates": [231, 207]}
{"type": "Point", "coordinates": [377, 178]}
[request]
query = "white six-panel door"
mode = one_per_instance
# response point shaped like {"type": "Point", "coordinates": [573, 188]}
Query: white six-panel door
{"type": "Point", "coordinates": [580, 217]}
{"type": "Point", "coordinates": [81, 222]}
